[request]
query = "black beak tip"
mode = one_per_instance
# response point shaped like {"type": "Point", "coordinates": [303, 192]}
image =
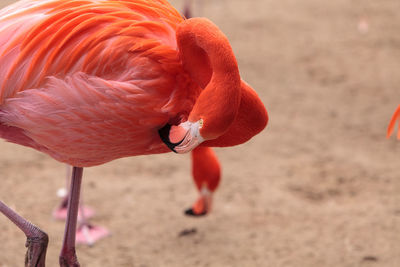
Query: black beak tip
{"type": "Point", "coordinates": [164, 135]}
{"type": "Point", "coordinates": [190, 212]}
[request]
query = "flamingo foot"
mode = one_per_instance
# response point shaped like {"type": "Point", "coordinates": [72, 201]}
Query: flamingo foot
{"type": "Point", "coordinates": [202, 206]}
{"type": "Point", "coordinates": [36, 241]}
{"type": "Point", "coordinates": [60, 213]}
{"type": "Point", "coordinates": [88, 234]}
{"type": "Point", "coordinates": [37, 246]}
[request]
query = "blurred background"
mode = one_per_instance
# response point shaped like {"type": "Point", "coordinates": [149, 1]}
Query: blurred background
{"type": "Point", "coordinates": [319, 187]}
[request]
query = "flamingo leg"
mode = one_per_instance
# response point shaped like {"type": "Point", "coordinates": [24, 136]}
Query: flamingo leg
{"type": "Point", "coordinates": [88, 233]}
{"type": "Point", "coordinates": [68, 255]}
{"type": "Point", "coordinates": [206, 172]}
{"type": "Point", "coordinates": [36, 241]}
{"type": "Point", "coordinates": [60, 212]}
{"type": "Point", "coordinates": [187, 9]}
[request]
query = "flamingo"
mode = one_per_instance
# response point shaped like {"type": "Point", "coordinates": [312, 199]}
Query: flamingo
{"type": "Point", "coordinates": [392, 123]}
{"type": "Point", "coordinates": [90, 81]}
{"type": "Point", "coordinates": [206, 179]}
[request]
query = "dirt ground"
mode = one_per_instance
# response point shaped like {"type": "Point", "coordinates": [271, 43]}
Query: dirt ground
{"type": "Point", "coordinates": [319, 187]}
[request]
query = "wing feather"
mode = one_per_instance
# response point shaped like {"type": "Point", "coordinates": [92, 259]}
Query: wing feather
{"type": "Point", "coordinates": [90, 114]}
{"type": "Point", "coordinates": [59, 38]}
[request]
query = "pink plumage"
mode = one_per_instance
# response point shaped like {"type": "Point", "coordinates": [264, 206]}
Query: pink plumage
{"type": "Point", "coordinates": [89, 87]}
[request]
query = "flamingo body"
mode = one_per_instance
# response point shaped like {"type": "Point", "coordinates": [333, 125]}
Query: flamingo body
{"type": "Point", "coordinates": [90, 81]}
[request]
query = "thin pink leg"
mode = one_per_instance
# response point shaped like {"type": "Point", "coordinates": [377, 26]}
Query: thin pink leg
{"type": "Point", "coordinates": [36, 241]}
{"type": "Point", "coordinates": [60, 212]}
{"type": "Point", "coordinates": [86, 233]}
{"type": "Point", "coordinates": [68, 256]}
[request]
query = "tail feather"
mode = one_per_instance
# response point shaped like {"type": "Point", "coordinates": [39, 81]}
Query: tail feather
{"type": "Point", "coordinates": [395, 117]}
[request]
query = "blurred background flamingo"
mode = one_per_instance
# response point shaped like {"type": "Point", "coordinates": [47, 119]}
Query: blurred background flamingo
{"type": "Point", "coordinates": [89, 82]}
{"type": "Point", "coordinates": [391, 128]}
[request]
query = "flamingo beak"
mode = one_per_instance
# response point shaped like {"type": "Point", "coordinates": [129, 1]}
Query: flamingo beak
{"type": "Point", "coordinates": [182, 138]}
{"type": "Point", "coordinates": [164, 135]}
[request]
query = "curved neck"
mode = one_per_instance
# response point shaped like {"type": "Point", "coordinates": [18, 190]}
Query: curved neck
{"type": "Point", "coordinates": [208, 58]}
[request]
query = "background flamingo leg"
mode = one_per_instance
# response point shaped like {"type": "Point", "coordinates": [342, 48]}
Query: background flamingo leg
{"type": "Point", "coordinates": [190, 5]}
{"type": "Point", "coordinates": [60, 212]}
{"type": "Point", "coordinates": [36, 241]}
{"type": "Point", "coordinates": [187, 9]}
{"type": "Point", "coordinates": [86, 233]}
{"type": "Point", "coordinates": [206, 172]}
{"type": "Point", "coordinates": [68, 255]}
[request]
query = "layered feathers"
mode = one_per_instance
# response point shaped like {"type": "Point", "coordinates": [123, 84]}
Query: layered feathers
{"type": "Point", "coordinates": [112, 66]}
{"type": "Point", "coordinates": [91, 81]}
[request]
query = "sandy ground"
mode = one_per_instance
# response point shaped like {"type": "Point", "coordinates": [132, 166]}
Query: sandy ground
{"type": "Point", "coordinates": [319, 187]}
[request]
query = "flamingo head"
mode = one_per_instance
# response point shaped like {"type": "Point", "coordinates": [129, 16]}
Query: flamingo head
{"type": "Point", "coordinates": [208, 59]}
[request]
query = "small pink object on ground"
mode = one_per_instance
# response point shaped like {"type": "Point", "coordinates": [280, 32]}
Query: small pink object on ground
{"type": "Point", "coordinates": [61, 213]}
{"type": "Point", "coordinates": [89, 234]}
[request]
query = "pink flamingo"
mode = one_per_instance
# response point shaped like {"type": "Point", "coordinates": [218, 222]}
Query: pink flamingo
{"type": "Point", "coordinates": [88, 234]}
{"type": "Point", "coordinates": [392, 124]}
{"type": "Point", "coordinates": [90, 81]}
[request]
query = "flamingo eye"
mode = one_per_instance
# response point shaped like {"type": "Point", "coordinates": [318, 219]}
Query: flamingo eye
{"type": "Point", "coordinates": [201, 122]}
